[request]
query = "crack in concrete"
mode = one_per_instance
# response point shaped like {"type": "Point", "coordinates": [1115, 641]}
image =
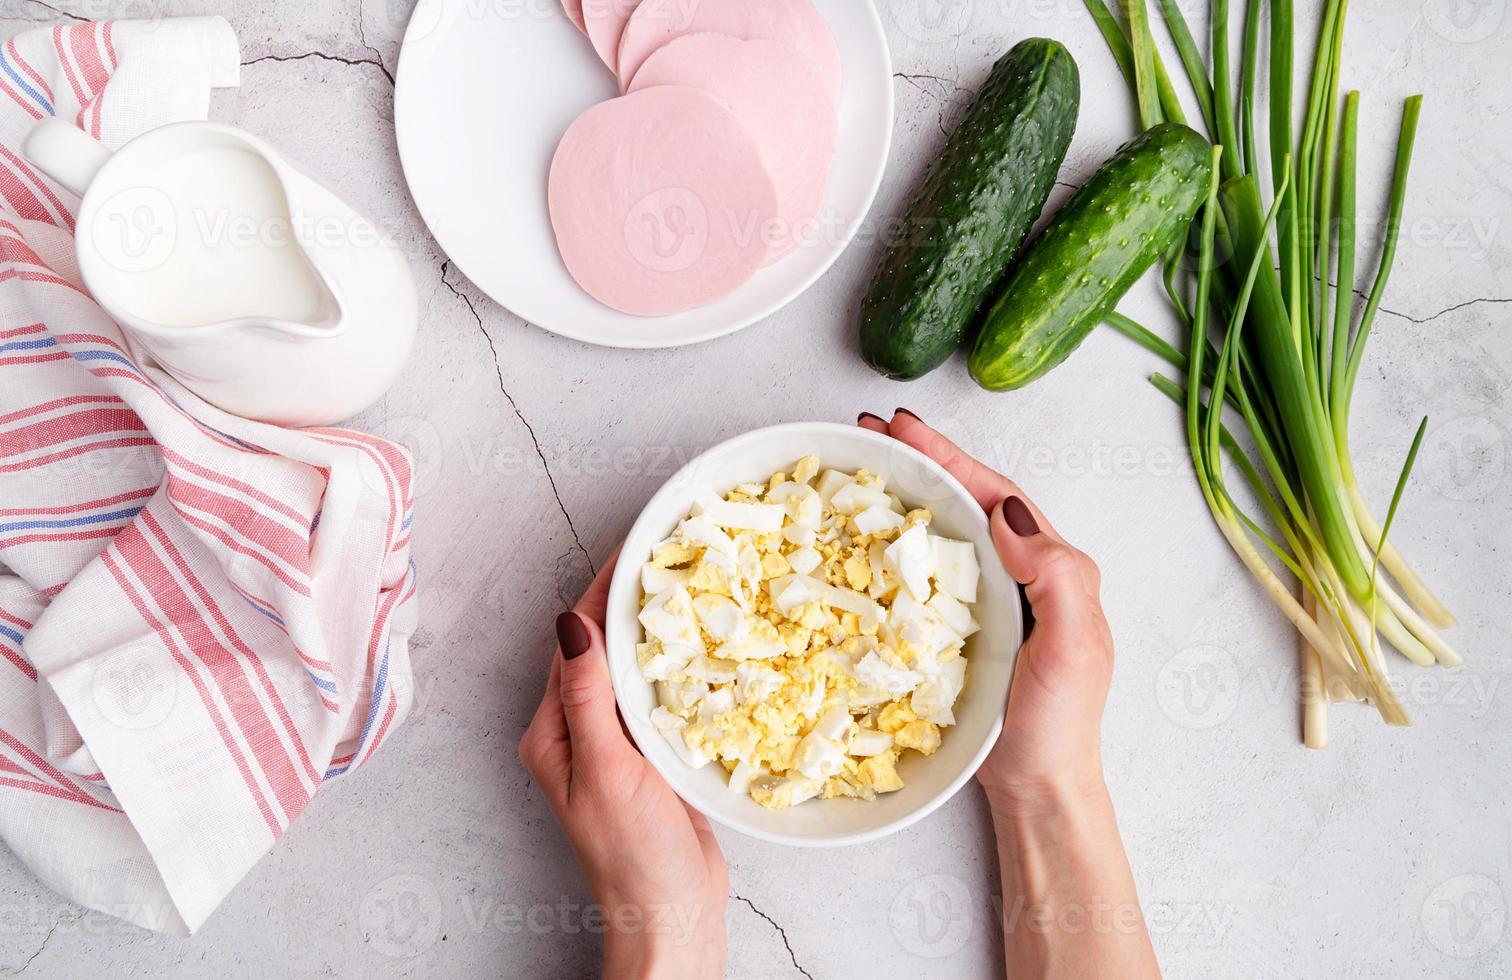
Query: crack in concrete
{"type": "Point", "coordinates": [536, 442]}
{"type": "Point", "coordinates": [1364, 296]}
{"type": "Point", "coordinates": [18, 970]}
{"type": "Point", "coordinates": [781, 932]}
{"type": "Point", "coordinates": [913, 78]}
{"type": "Point", "coordinates": [373, 62]}
{"type": "Point", "coordinates": [1446, 311]}
{"type": "Point", "coordinates": [61, 13]}
{"type": "Point", "coordinates": [941, 98]}
{"type": "Point", "coordinates": [362, 37]}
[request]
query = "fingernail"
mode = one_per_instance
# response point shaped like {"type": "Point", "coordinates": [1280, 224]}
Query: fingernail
{"type": "Point", "coordinates": [572, 635]}
{"type": "Point", "coordinates": [1019, 518]}
{"type": "Point", "coordinates": [868, 415]}
{"type": "Point", "coordinates": [904, 411]}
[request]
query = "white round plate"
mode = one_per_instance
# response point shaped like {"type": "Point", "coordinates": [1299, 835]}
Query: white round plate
{"type": "Point", "coordinates": [485, 91]}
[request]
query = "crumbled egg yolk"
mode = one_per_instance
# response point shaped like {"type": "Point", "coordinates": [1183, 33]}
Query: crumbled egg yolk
{"type": "Point", "coordinates": [805, 633]}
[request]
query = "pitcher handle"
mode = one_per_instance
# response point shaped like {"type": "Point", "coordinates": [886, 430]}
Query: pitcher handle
{"type": "Point", "coordinates": [65, 153]}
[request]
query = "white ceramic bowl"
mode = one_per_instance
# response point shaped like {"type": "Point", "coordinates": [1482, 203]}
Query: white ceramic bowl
{"type": "Point", "coordinates": [919, 481]}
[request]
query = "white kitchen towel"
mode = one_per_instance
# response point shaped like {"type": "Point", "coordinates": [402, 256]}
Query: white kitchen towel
{"type": "Point", "coordinates": [202, 619]}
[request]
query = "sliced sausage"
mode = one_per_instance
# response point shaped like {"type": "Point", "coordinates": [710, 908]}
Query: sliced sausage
{"type": "Point", "coordinates": [658, 199]}
{"type": "Point", "coordinates": [779, 98]}
{"type": "Point", "coordinates": [655, 22]}
{"type": "Point", "coordinates": [604, 21]}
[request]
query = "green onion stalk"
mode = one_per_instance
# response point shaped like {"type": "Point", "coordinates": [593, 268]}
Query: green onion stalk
{"type": "Point", "coordinates": [1275, 337]}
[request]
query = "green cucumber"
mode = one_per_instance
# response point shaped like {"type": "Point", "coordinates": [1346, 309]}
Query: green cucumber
{"type": "Point", "coordinates": [1132, 211]}
{"type": "Point", "coordinates": [978, 201]}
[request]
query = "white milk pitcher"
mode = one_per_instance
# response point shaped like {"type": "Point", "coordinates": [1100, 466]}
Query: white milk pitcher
{"type": "Point", "coordinates": [246, 279]}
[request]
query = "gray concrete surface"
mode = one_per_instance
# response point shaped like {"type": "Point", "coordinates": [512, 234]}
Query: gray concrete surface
{"type": "Point", "coordinates": [1388, 855]}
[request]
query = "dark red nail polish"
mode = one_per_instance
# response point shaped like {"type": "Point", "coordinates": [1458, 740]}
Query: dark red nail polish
{"type": "Point", "coordinates": [1020, 520]}
{"type": "Point", "coordinates": [572, 635]}
{"type": "Point", "coordinates": [868, 415]}
{"type": "Point", "coordinates": [904, 411]}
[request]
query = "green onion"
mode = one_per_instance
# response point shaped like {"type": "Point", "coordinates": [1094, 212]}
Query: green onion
{"type": "Point", "coordinates": [1274, 337]}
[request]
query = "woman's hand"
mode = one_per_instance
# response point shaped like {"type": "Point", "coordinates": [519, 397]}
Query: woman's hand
{"type": "Point", "coordinates": [1070, 906]}
{"type": "Point", "coordinates": [652, 864]}
{"type": "Point", "coordinates": [1050, 748]}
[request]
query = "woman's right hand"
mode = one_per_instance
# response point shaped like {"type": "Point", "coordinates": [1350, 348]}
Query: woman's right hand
{"type": "Point", "coordinates": [1069, 902]}
{"type": "Point", "coordinates": [1060, 854]}
{"type": "Point", "coordinates": [1050, 749]}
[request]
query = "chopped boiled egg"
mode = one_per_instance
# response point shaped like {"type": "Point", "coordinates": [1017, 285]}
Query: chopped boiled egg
{"type": "Point", "coordinates": [805, 633]}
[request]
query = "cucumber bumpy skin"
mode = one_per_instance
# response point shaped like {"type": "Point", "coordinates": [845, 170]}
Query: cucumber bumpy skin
{"type": "Point", "coordinates": [1132, 211]}
{"type": "Point", "coordinates": [978, 202]}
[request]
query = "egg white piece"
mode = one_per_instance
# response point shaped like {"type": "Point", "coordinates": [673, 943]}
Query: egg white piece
{"type": "Point", "coordinates": [956, 569]}
{"type": "Point", "coordinates": [680, 696]}
{"type": "Point", "coordinates": [833, 724]}
{"type": "Point", "coordinates": [866, 743]}
{"type": "Point", "coordinates": [721, 616]}
{"type": "Point", "coordinates": [710, 671]}
{"type": "Point", "coordinates": [830, 483]}
{"type": "Point", "coordinates": [740, 779]}
{"type": "Point", "coordinates": [669, 618]}
{"type": "Point", "coordinates": [749, 646]}
{"type": "Point", "coordinates": [875, 672]}
{"type": "Point", "coordinates": [746, 517]}
{"type": "Point", "coordinates": [954, 613]}
{"type": "Point", "coordinates": [716, 703]}
{"type": "Point", "coordinates": [803, 537]}
{"type": "Point", "coordinates": [819, 757]}
{"type": "Point", "coordinates": [910, 560]}
{"type": "Point", "coordinates": [874, 520]}
{"type": "Point", "coordinates": [854, 498]}
{"type": "Point", "coordinates": [655, 579]}
{"type": "Point", "coordinates": [704, 533]}
{"type": "Point", "coordinates": [755, 682]}
{"type": "Point", "coordinates": [934, 699]}
{"type": "Point", "coordinates": [791, 591]}
{"type": "Point", "coordinates": [804, 560]}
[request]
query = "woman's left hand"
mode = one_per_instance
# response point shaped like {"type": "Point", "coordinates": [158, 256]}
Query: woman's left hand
{"type": "Point", "coordinates": [652, 863]}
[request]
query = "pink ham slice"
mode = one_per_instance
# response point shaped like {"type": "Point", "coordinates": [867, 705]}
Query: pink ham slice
{"type": "Point", "coordinates": [657, 200]}
{"type": "Point", "coordinates": [655, 22]}
{"type": "Point", "coordinates": [779, 98]}
{"type": "Point", "coordinates": [574, 11]}
{"type": "Point", "coordinates": [604, 22]}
